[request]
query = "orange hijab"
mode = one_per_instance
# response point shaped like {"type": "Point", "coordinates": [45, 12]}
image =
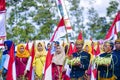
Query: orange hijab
{"type": "Point", "coordinates": [25, 54]}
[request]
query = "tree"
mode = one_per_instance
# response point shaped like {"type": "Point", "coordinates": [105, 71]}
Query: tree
{"type": "Point", "coordinates": [76, 16]}
{"type": "Point", "coordinates": [29, 20]}
{"type": "Point", "coordinates": [112, 9]}
{"type": "Point", "coordinates": [93, 27]}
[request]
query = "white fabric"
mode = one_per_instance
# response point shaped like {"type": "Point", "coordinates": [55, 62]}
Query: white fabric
{"type": "Point", "coordinates": [2, 24]}
{"type": "Point", "coordinates": [67, 69]}
{"type": "Point", "coordinates": [6, 62]}
{"type": "Point", "coordinates": [14, 71]}
{"type": "Point", "coordinates": [28, 64]}
{"type": "Point", "coordinates": [61, 32]}
{"type": "Point", "coordinates": [48, 75]}
{"type": "Point", "coordinates": [118, 26]}
{"type": "Point", "coordinates": [92, 74]}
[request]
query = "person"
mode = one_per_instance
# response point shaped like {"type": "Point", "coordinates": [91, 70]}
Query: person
{"type": "Point", "coordinates": [79, 68]}
{"type": "Point", "coordinates": [106, 71]}
{"type": "Point", "coordinates": [116, 52]}
{"type": "Point", "coordinates": [21, 59]}
{"type": "Point", "coordinates": [4, 58]}
{"type": "Point", "coordinates": [39, 60]}
{"type": "Point", "coordinates": [48, 46]}
{"type": "Point", "coordinates": [57, 63]}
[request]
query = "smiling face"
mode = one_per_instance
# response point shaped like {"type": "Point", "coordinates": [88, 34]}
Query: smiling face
{"type": "Point", "coordinates": [58, 49]}
{"type": "Point", "coordinates": [21, 49]}
{"type": "Point", "coordinates": [107, 48]}
{"type": "Point", "coordinates": [39, 47]}
{"type": "Point", "coordinates": [79, 47]}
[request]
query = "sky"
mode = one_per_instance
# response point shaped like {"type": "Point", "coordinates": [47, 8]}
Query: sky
{"type": "Point", "coordinates": [99, 5]}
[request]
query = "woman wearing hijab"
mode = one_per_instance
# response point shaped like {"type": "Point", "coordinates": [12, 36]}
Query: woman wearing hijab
{"type": "Point", "coordinates": [4, 58]}
{"type": "Point", "coordinates": [57, 63]}
{"type": "Point", "coordinates": [39, 60]}
{"type": "Point", "coordinates": [21, 59]}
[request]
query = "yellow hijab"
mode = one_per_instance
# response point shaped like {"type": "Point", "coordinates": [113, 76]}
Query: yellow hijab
{"type": "Point", "coordinates": [25, 54]}
{"type": "Point", "coordinates": [40, 53]}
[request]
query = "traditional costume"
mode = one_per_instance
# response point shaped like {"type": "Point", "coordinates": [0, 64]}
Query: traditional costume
{"type": "Point", "coordinates": [78, 71]}
{"type": "Point", "coordinates": [39, 60]}
{"type": "Point", "coordinates": [21, 62]}
{"type": "Point", "coordinates": [57, 64]}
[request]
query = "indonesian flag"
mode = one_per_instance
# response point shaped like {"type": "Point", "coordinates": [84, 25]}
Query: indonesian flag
{"type": "Point", "coordinates": [98, 48]}
{"type": "Point", "coordinates": [59, 32]}
{"type": "Point", "coordinates": [68, 69]}
{"type": "Point", "coordinates": [93, 65]}
{"type": "Point", "coordinates": [114, 29]}
{"type": "Point", "coordinates": [48, 66]}
{"type": "Point", "coordinates": [63, 13]}
{"type": "Point", "coordinates": [74, 48]}
{"type": "Point", "coordinates": [2, 18]}
{"type": "Point", "coordinates": [11, 73]}
{"type": "Point", "coordinates": [31, 77]}
{"type": "Point", "coordinates": [70, 50]}
{"type": "Point", "coordinates": [94, 72]}
{"type": "Point", "coordinates": [27, 47]}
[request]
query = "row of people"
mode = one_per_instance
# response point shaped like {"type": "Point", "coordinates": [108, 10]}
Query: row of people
{"type": "Point", "coordinates": [79, 71]}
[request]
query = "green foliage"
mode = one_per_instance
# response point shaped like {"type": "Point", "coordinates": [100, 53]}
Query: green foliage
{"type": "Point", "coordinates": [35, 19]}
{"type": "Point", "coordinates": [29, 20]}
{"type": "Point", "coordinates": [98, 26]}
{"type": "Point", "coordinates": [76, 16]}
{"type": "Point", "coordinates": [113, 8]}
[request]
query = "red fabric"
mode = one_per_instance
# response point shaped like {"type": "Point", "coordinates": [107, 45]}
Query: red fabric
{"type": "Point", "coordinates": [70, 51]}
{"type": "Point", "coordinates": [74, 50]}
{"type": "Point", "coordinates": [48, 60]}
{"type": "Point", "coordinates": [93, 50]}
{"type": "Point", "coordinates": [27, 47]}
{"type": "Point", "coordinates": [2, 5]}
{"type": "Point", "coordinates": [56, 71]}
{"type": "Point", "coordinates": [80, 37]}
{"type": "Point", "coordinates": [32, 55]}
{"type": "Point", "coordinates": [95, 73]}
{"type": "Point", "coordinates": [20, 66]}
{"type": "Point", "coordinates": [9, 75]}
{"type": "Point", "coordinates": [110, 31]}
{"type": "Point", "coordinates": [61, 24]}
{"type": "Point", "coordinates": [65, 76]}
{"type": "Point", "coordinates": [98, 48]}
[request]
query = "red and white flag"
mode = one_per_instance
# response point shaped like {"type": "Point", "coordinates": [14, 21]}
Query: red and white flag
{"type": "Point", "coordinates": [48, 66]}
{"type": "Point", "coordinates": [31, 76]}
{"type": "Point", "coordinates": [63, 13]}
{"type": "Point", "coordinates": [2, 18]}
{"type": "Point", "coordinates": [59, 32]}
{"type": "Point", "coordinates": [114, 29]}
{"type": "Point", "coordinates": [93, 65]}
{"type": "Point", "coordinates": [2, 22]}
{"type": "Point", "coordinates": [11, 73]}
{"type": "Point", "coordinates": [94, 72]}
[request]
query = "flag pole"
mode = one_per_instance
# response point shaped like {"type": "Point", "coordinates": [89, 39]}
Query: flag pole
{"type": "Point", "coordinates": [60, 77]}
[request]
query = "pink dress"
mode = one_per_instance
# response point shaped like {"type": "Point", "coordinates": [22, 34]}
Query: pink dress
{"type": "Point", "coordinates": [21, 66]}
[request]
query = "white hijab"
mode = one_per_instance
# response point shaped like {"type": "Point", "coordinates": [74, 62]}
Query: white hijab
{"type": "Point", "coordinates": [58, 59]}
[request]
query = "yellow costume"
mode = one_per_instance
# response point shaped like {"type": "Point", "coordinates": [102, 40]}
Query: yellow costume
{"type": "Point", "coordinates": [39, 60]}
